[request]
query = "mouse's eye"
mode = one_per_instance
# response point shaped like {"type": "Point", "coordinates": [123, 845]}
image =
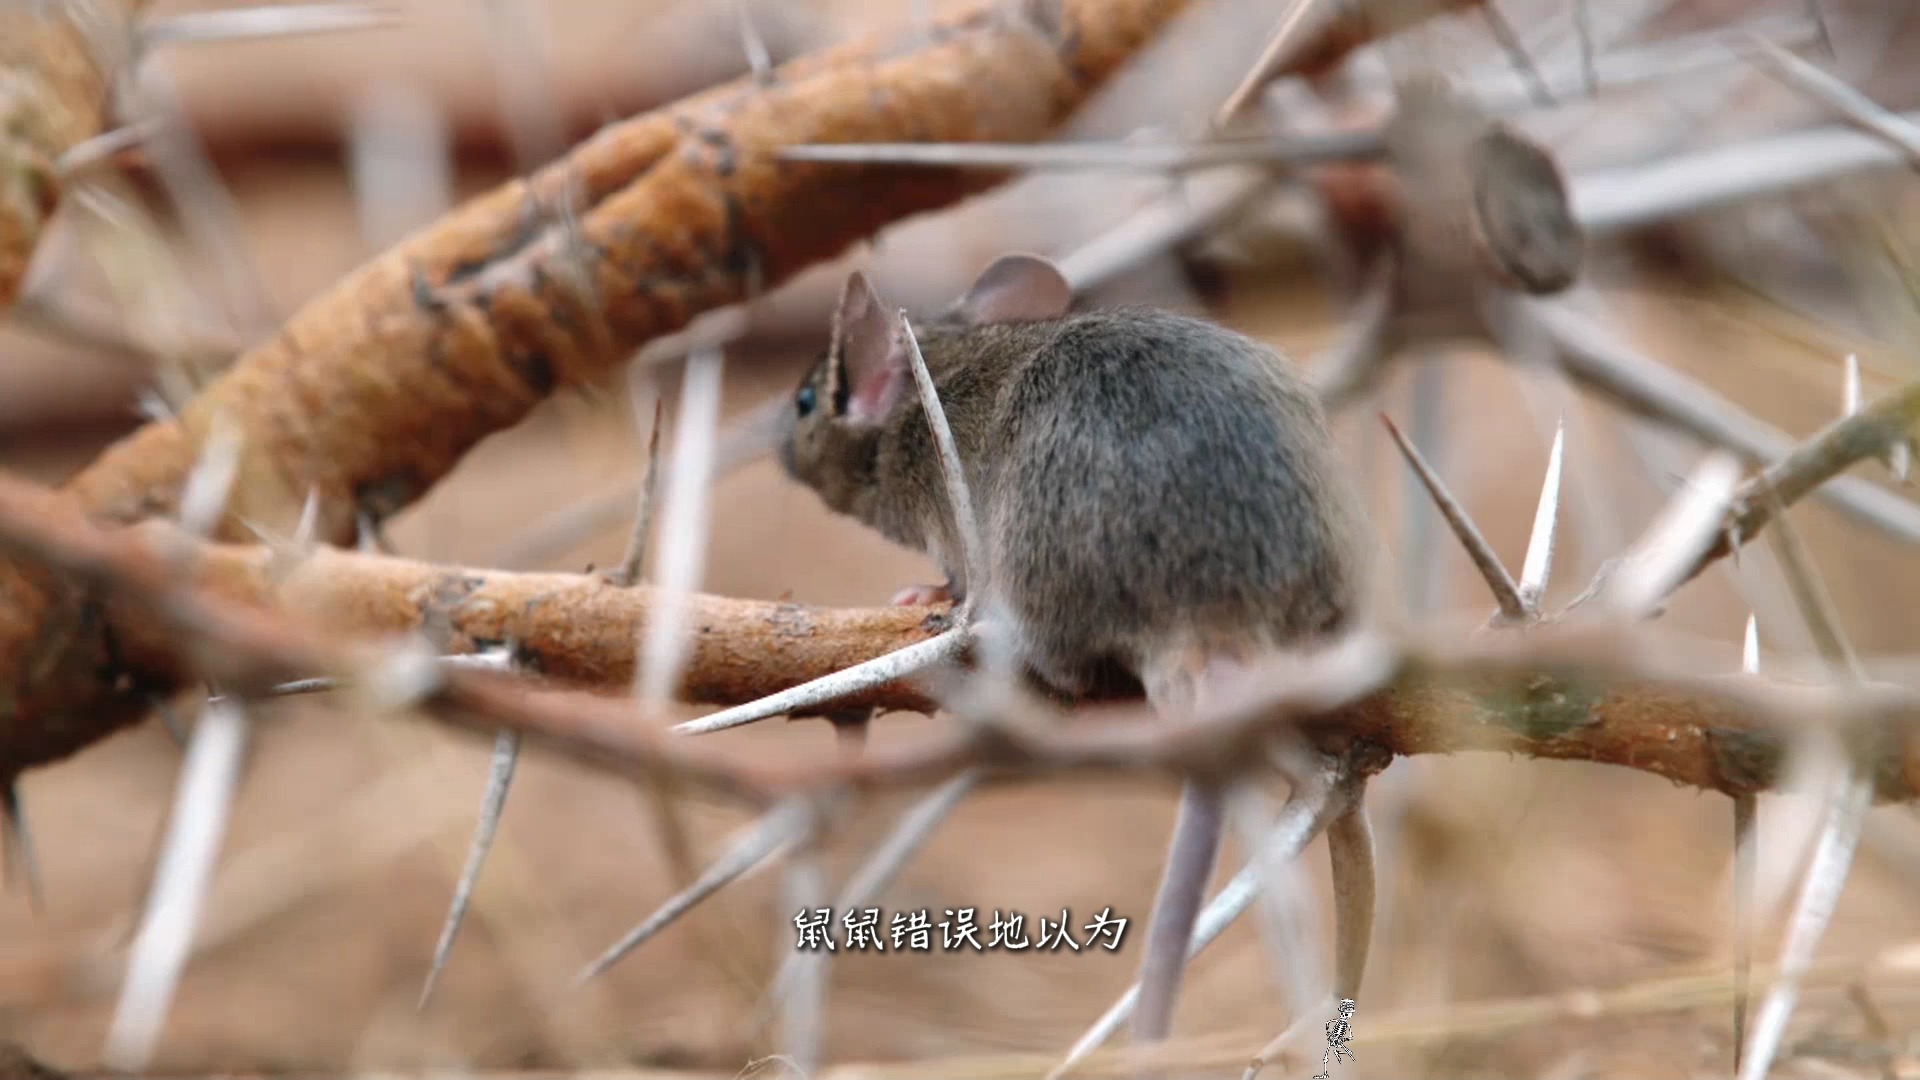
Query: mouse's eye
{"type": "Point", "coordinates": [803, 401]}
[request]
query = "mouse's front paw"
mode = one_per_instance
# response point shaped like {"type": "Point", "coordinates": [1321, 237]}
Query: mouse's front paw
{"type": "Point", "coordinates": [914, 595]}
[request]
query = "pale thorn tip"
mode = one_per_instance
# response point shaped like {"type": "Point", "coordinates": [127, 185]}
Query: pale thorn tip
{"type": "Point", "coordinates": [1750, 650]}
{"type": "Point", "coordinates": [203, 498]}
{"type": "Point", "coordinates": [756, 844]}
{"type": "Point", "coordinates": [1538, 567]}
{"type": "Point", "coordinates": [1850, 387]}
{"type": "Point", "coordinates": [493, 804]}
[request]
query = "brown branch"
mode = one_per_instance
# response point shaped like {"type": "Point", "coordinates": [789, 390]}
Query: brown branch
{"type": "Point", "coordinates": [53, 97]}
{"type": "Point", "coordinates": [375, 389]}
{"type": "Point", "coordinates": [1552, 692]}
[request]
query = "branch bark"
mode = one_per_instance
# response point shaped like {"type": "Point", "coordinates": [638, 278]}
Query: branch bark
{"type": "Point", "coordinates": [1584, 694]}
{"type": "Point", "coordinates": [374, 390]}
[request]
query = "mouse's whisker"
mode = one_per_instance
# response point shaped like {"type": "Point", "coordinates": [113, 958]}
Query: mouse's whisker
{"type": "Point", "coordinates": [775, 829]}
{"type": "Point", "coordinates": [1505, 592]}
{"type": "Point", "coordinates": [859, 678]}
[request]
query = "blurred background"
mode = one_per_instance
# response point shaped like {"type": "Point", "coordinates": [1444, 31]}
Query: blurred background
{"type": "Point", "coordinates": [1509, 885]}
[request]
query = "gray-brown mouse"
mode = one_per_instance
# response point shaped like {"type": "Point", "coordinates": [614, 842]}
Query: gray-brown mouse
{"type": "Point", "coordinates": [1154, 490]}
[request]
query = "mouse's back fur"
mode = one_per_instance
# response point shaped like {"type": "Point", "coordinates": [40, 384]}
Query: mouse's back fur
{"type": "Point", "coordinates": [1146, 482]}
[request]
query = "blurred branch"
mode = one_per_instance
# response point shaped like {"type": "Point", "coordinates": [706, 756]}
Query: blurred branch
{"type": "Point", "coordinates": [1586, 694]}
{"type": "Point", "coordinates": [54, 84]}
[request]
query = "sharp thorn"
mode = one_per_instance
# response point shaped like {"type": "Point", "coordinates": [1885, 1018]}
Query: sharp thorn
{"type": "Point", "coordinates": [195, 829]}
{"type": "Point", "coordinates": [493, 803]}
{"type": "Point", "coordinates": [758, 842]}
{"type": "Point", "coordinates": [1538, 567]}
{"type": "Point", "coordinates": [879, 671]}
{"type": "Point", "coordinates": [1826, 875]}
{"type": "Point", "coordinates": [1505, 592]}
{"type": "Point", "coordinates": [1303, 817]}
{"type": "Point", "coordinates": [1745, 889]}
{"type": "Point", "coordinates": [1850, 387]}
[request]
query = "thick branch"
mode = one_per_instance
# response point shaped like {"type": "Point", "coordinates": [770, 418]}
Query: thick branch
{"type": "Point", "coordinates": [375, 389]}
{"type": "Point", "coordinates": [1586, 695]}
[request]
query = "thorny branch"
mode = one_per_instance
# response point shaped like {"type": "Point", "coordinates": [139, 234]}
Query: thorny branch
{"type": "Point", "coordinates": [375, 389]}
{"type": "Point", "coordinates": [1571, 693]}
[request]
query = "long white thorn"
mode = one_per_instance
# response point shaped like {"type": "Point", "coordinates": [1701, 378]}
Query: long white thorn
{"type": "Point", "coordinates": [493, 803]}
{"type": "Point", "coordinates": [757, 843]}
{"type": "Point", "coordinates": [866, 883]}
{"type": "Point", "coordinates": [1850, 386]}
{"type": "Point", "coordinates": [1269, 61]}
{"type": "Point", "coordinates": [1303, 817]}
{"type": "Point", "coordinates": [684, 521]}
{"type": "Point", "coordinates": [1287, 908]}
{"type": "Point", "coordinates": [1538, 567]}
{"type": "Point", "coordinates": [1843, 100]}
{"type": "Point", "coordinates": [208, 776]}
{"type": "Point", "coordinates": [879, 671]}
{"type": "Point", "coordinates": [802, 1004]}
{"type": "Point", "coordinates": [1819, 895]}
{"type": "Point", "coordinates": [1688, 524]}
{"type": "Point", "coordinates": [1746, 806]}
{"type": "Point", "coordinates": [266, 21]}
{"type": "Point", "coordinates": [958, 497]}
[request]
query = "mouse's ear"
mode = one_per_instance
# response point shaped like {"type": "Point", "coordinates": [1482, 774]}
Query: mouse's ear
{"type": "Point", "coordinates": [868, 370]}
{"type": "Point", "coordinates": [1017, 288]}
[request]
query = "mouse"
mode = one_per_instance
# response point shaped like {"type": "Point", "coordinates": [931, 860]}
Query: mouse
{"type": "Point", "coordinates": [1154, 492]}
